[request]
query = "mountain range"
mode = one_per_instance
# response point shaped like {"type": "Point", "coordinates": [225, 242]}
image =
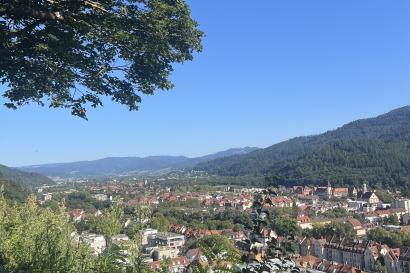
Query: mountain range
{"type": "Point", "coordinates": [376, 150]}
{"type": "Point", "coordinates": [128, 165]}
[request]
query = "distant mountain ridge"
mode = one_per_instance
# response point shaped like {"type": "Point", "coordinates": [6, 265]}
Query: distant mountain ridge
{"type": "Point", "coordinates": [127, 165]}
{"type": "Point", "coordinates": [375, 150]}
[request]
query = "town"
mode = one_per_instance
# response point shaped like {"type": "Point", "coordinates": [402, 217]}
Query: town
{"type": "Point", "coordinates": [183, 136]}
{"type": "Point", "coordinates": [319, 228]}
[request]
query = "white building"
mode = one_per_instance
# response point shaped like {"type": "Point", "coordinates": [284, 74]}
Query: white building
{"type": "Point", "coordinates": [354, 205]}
{"type": "Point", "coordinates": [44, 198]}
{"type": "Point", "coordinates": [100, 197]}
{"type": "Point", "coordinates": [146, 233]}
{"type": "Point", "coordinates": [95, 241]}
{"type": "Point", "coordinates": [167, 239]}
{"type": "Point", "coordinates": [119, 239]}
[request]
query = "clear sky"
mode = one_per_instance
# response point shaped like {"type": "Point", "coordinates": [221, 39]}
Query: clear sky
{"type": "Point", "coordinates": [269, 71]}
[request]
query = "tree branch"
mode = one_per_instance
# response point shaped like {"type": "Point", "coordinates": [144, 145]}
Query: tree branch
{"type": "Point", "coordinates": [26, 11]}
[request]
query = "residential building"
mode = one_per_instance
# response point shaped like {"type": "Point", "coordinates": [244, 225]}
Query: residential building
{"type": "Point", "coordinates": [309, 199]}
{"type": "Point", "coordinates": [353, 192]}
{"type": "Point", "coordinates": [95, 241]}
{"type": "Point", "coordinates": [100, 197]}
{"type": "Point", "coordinates": [369, 197]}
{"type": "Point", "coordinates": [383, 213]}
{"type": "Point", "coordinates": [162, 252]}
{"type": "Point", "coordinates": [176, 265]}
{"type": "Point", "coordinates": [324, 192]}
{"type": "Point", "coordinates": [354, 205]}
{"type": "Point", "coordinates": [146, 233]}
{"type": "Point", "coordinates": [398, 260]}
{"type": "Point", "coordinates": [372, 217]}
{"type": "Point", "coordinates": [197, 255]}
{"type": "Point", "coordinates": [77, 215]}
{"type": "Point", "coordinates": [303, 190]}
{"type": "Point", "coordinates": [44, 198]}
{"type": "Point", "coordinates": [304, 222]}
{"type": "Point", "coordinates": [281, 202]}
{"type": "Point", "coordinates": [119, 239]}
{"type": "Point", "coordinates": [305, 247]}
{"type": "Point", "coordinates": [360, 254]}
{"type": "Point", "coordinates": [167, 239]}
{"type": "Point", "coordinates": [357, 226]}
{"type": "Point", "coordinates": [372, 253]}
{"type": "Point", "coordinates": [406, 219]}
{"type": "Point", "coordinates": [402, 203]}
{"type": "Point", "coordinates": [312, 247]}
{"type": "Point", "coordinates": [318, 249]}
{"type": "Point", "coordinates": [340, 192]}
{"type": "Point", "coordinates": [391, 261]}
{"type": "Point", "coordinates": [244, 205]}
{"type": "Point", "coordinates": [345, 251]}
{"type": "Point", "coordinates": [323, 266]}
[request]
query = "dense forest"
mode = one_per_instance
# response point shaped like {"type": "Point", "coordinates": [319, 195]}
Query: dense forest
{"type": "Point", "coordinates": [376, 150]}
{"type": "Point", "coordinates": [13, 191]}
{"type": "Point", "coordinates": [28, 179]}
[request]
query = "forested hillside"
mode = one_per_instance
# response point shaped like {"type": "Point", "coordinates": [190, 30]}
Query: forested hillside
{"type": "Point", "coordinates": [28, 179]}
{"type": "Point", "coordinates": [13, 191]}
{"type": "Point", "coordinates": [373, 150]}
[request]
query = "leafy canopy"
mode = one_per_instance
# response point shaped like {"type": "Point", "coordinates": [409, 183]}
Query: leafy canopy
{"type": "Point", "coordinates": [69, 54]}
{"type": "Point", "coordinates": [35, 239]}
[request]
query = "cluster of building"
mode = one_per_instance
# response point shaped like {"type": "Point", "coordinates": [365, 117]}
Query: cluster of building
{"type": "Point", "coordinates": [308, 204]}
{"type": "Point", "coordinates": [194, 233]}
{"type": "Point", "coordinates": [160, 245]}
{"type": "Point", "coordinates": [312, 205]}
{"type": "Point", "coordinates": [360, 254]}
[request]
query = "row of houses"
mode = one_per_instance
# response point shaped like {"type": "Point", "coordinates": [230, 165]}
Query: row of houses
{"type": "Point", "coordinates": [360, 254]}
{"type": "Point", "coordinates": [199, 233]}
{"type": "Point", "coordinates": [183, 264]}
{"type": "Point", "coordinates": [313, 264]}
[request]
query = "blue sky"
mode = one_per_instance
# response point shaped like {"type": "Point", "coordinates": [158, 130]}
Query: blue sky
{"type": "Point", "coordinates": [269, 71]}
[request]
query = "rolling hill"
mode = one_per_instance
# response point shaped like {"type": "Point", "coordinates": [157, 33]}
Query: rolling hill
{"type": "Point", "coordinates": [28, 179]}
{"type": "Point", "coordinates": [374, 150]}
{"type": "Point", "coordinates": [128, 165]}
{"type": "Point", "coordinates": [16, 185]}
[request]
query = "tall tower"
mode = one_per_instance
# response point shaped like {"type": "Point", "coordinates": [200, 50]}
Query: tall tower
{"type": "Point", "coordinates": [329, 189]}
{"type": "Point", "coordinates": [364, 187]}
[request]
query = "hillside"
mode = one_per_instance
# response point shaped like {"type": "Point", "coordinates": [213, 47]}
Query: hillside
{"type": "Point", "coordinates": [14, 191]}
{"type": "Point", "coordinates": [128, 165]}
{"type": "Point", "coordinates": [374, 150]}
{"type": "Point", "coordinates": [16, 185]}
{"type": "Point", "coordinates": [28, 179]}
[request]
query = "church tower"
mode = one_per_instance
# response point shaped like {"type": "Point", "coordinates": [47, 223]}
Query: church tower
{"type": "Point", "coordinates": [329, 189]}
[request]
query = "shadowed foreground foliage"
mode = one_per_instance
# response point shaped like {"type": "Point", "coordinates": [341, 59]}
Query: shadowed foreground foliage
{"type": "Point", "coordinates": [38, 240]}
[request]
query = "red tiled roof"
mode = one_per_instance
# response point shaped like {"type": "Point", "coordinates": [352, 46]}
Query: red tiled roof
{"type": "Point", "coordinates": [303, 219]}
{"type": "Point", "coordinates": [354, 222]}
{"type": "Point", "coordinates": [340, 190]}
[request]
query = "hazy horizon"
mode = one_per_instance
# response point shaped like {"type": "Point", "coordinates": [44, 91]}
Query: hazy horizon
{"type": "Point", "coordinates": [194, 156]}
